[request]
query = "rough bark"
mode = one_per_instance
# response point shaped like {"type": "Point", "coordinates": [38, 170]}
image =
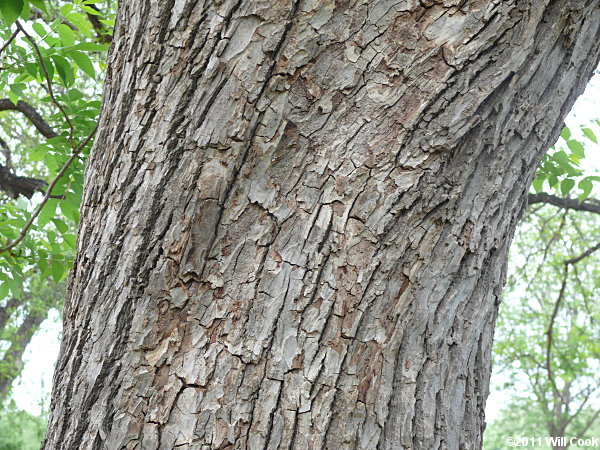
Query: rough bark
{"type": "Point", "coordinates": [297, 215]}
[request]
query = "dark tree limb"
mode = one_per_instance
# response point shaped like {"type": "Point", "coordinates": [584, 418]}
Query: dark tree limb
{"type": "Point", "coordinates": [7, 154]}
{"type": "Point", "coordinates": [7, 310]}
{"type": "Point", "coordinates": [549, 334]}
{"type": "Point", "coordinates": [15, 185]}
{"type": "Point", "coordinates": [29, 111]}
{"type": "Point", "coordinates": [590, 205]}
{"type": "Point", "coordinates": [99, 27]}
{"type": "Point", "coordinates": [49, 194]}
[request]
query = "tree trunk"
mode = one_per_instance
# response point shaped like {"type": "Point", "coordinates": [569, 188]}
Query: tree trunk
{"type": "Point", "coordinates": [297, 218]}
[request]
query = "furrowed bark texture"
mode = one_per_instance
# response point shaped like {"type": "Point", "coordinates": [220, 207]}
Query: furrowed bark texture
{"type": "Point", "coordinates": [297, 215]}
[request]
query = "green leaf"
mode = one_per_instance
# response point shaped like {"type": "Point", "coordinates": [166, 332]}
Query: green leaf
{"type": "Point", "coordinates": [43, 265]}
{"type": "Point", "coordinates": [61, 226]}
{"type": "Point", "coordinates": [3, 290]}
{"type": "Point", "coordinates": [91, 47]}
{"type": "Point", "coordinates": [81, 23]}
{"type": "Point", "coordinates": [64, 69]}
{"type": "Point", "coordinates": [48, 212]}
{"type": "Point", "coordinates": [589, 134]}
{"type": "Point", "coordinates": [18, 88]}
{"type": "Point", "coordinates": [83, 61]}
{"type": "Point", "coordinates": [66, 9]}
{"type": "Point", "coordinates": [26, 11]}
{"type": "Point", "coordinates": [563, 161]}
{"type": "Point", "coordinates": [14, 285]}
{"type": "Point", "coordinates": [10, 10]}
{"type": "Point", "coordinates": [38, 153]}
{"type": "Point", "coordinates": [75, 95]}
{"type": "Point", "coordinates": [39, 4]}
{"type": "Point", "coordinates": [59, 270]}
{"type": "Point", "coordinates": [110, 23]}
{"type": "Point", "coordinates": [13, 97]}
{"type": "Point", "coordinates": [89, 10]}
{"type": "Point", "coordinates": [565, 133]}
{"type": "Point", "coordinates": [39, 29]}
{"type": "Point", "coordinates": [71, 240]}
{"type": "Point", "coordinates": [70, 210]}
{"type": "Point", "coordinates": [586, 187]}
{"type": "Point", "coordinates": [32, 69]}
{"type": "Point", "coordinates": [49, 67]}
{"type": "Point", "coordinates": [566, 186]}
{"type": "Point", "coordinates": [577, 148]}
{"type": "Point", "coordinates": [538, 184]}
{"type": "Point", "coordinates": [67, 37]}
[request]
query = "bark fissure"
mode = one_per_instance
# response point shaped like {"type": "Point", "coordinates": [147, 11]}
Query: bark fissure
{"type": "Point", "coordinates": [297, 215]}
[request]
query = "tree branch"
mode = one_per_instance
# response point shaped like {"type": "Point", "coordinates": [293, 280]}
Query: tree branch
{"type": "Point", "coordinates": [48, 195]}
{"type": "Point", "coordinates": [15, 185]}
{"type": "Point", "coordinates": [6, 311]}
{"type": "Point", "coordinates": [590, 423]}
{"type": "Point", "coordinates": [11, 364]}
{"type": "Point", "coordinates": [549, 333]}
{"type": "Point", "coordinates": [98, 26]}
{"type": "Point", "coordinates": [10, 39]}
{"type": "Point", "coordinates": [39, 14]}
{"type": "Point", "coordinates": [30, 112]}
{"type": "Point", "coordinates": [589, 205]}
{"type": "Point", "coordinates": [7, 154]}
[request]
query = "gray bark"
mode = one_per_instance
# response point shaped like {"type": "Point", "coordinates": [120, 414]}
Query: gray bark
{"type": "Point", "coordinates": [297, 215]}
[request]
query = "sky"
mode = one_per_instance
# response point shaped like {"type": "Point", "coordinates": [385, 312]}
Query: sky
{"type": "Point", "coordinates": [32, 389]}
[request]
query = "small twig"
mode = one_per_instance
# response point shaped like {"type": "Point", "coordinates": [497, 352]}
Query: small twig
{"type": "Point", "coordinates": [39, 14]}
{"type": "Point", "coordinates": [49, 194]}
{"type": "Point", "coordinates": [585, 254]}
{"type": "Point", "coordinates": [10, 39]}
{"type": "Point", "coordinates": [49, 82]}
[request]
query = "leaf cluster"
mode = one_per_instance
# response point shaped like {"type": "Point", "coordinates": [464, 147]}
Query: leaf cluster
{"type": "Point", "coordinates": [52, 60]}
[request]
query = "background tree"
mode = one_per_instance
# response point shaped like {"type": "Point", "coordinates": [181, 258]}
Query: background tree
{"type": "Point", "coordinates": [548, 331]}
{"type": "Point", "coordinates": [52, 60]}
{"type": "Point", "coordinates": [297, 217]}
